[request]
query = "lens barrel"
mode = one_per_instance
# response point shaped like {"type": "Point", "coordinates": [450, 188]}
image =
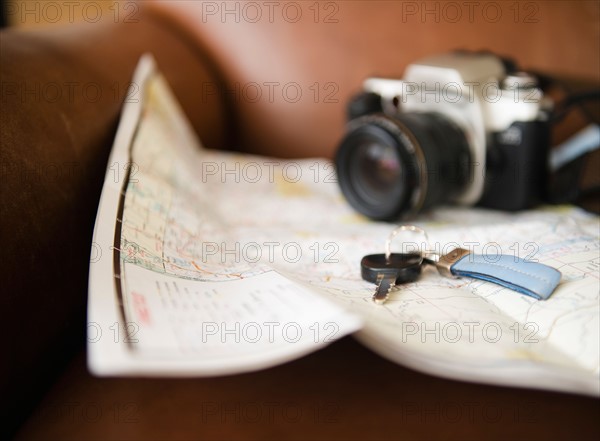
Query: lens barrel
{"type": "Point", "coordinates": [395, 167]}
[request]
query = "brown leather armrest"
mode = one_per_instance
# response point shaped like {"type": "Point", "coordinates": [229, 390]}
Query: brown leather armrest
{"type": "Point", "coordinates": [291, 67]}
{"type": "Point", "coordinates": [61, 94]}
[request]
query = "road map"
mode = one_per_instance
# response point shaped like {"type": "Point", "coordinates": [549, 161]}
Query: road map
{"type": "Point", "coordinates": [215, 262]}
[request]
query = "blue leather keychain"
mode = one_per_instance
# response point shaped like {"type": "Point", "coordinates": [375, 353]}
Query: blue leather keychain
{"type": "Point", "coordinates": [530, 278]}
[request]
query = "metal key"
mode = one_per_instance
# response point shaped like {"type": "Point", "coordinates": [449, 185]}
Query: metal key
{"type": "Point", "coordinates": [388, 272]}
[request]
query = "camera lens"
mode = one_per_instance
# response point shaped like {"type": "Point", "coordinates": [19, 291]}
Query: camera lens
{"type": "Point", "coordinates": [378, 167]}
{"type": "Point", "coordinates": [395, 167]}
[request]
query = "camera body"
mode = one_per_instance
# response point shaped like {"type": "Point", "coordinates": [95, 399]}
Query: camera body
{"type": "Point", "coordinates": [459, 128]}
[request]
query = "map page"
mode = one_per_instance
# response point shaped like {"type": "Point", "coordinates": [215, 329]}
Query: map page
{"type": "Point", "coordinates": [209, 262]}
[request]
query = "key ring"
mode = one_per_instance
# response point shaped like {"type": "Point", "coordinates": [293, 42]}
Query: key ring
{"type": "Point", "coordinates": [394, 233]}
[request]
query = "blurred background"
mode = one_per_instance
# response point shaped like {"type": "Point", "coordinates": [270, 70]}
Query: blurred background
{"type": "Point", "coordinates": [210, 52]}
{"type": "Point", "coordinates": [328, 48]}
{"type": "Point", "coordinates": [30, 13]}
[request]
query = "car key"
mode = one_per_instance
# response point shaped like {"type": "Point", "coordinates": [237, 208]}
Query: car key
{"type": "Point", "coordinates": [386, 271]}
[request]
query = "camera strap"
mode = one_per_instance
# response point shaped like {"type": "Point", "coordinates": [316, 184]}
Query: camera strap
{"type": "Point", "coordinates": [573, 169]}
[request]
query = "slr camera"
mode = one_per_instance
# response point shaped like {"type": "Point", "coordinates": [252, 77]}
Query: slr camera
{"type": "Point", "coordinates": [463, 128]}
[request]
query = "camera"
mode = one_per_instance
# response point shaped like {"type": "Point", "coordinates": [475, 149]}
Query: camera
{"type": "Point", "coordinates": [463, 128]}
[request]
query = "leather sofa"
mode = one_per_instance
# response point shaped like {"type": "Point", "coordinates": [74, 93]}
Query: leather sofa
{"type": "Point", "coordinates": [62, 91]}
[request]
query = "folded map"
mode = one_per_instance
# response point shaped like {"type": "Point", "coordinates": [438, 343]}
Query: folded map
{"type": "Point", "coordinates": [209, 263]}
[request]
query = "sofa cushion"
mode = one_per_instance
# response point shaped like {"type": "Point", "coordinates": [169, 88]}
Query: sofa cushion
{"type": "Point", "coordinates": [344, 392]}
{"type": "Point", "coordinates": [62, 91]}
